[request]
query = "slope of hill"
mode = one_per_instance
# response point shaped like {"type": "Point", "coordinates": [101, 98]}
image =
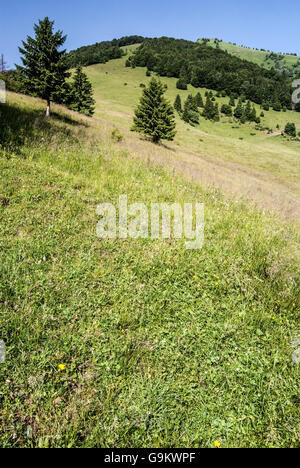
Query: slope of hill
{"type": "Point", "coordinates": [135, 343]}
{"type": "Point", "coordinates": [267, 59]}
{"type": "Point", "coordinates": [238, 158]}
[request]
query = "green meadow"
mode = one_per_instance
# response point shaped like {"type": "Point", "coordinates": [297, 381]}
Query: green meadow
{"type": "Point", "coordinates": [139, 342]}
{"type": "Point", "coordinates": [260, 57]}
{"type": "Point", "coordinates": [263, 166]}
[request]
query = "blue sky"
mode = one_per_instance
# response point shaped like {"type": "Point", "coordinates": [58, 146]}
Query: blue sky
{"type": "Point", "coordinates": [264, 24]}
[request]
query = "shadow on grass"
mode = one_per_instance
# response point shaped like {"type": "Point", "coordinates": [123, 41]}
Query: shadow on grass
{"type": "Point", "coordinates": [158, 144]}
{"type": "Point", "coordinates": [67, 120]}
{"type": "Point", "coordinates": [20, 126]}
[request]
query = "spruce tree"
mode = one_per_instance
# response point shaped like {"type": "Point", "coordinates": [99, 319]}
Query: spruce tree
{"type": "Point", "coordinates": [177, 104]}
{"type": "Point", "coordinates": [253, 115]}
{"type": "Point", "coordinates": [290, 129]}
{"type": "Point", "coordinates": [226, 109]}
{"type": "Point", "coordinates": [191, 103]}
{"type": "Point", "coordinates": [154, 115]}
{"type": "Point", "coordinates": [209, 109]}
{"type": "Point", "coordinates": [238, 112]}
{"type": "Point", "coordinates": [216, 116]}
{"type": "Point", "coordinates": [186, 115]}
{"type": "Point", "coordinates": [82, 94]}
{"type": "Point", "coordinates": [44, 69]}
{"type": "Point", "coordinates": [191, 114]}
{"type": "Point", "coordinates": [199, 100]}
{"type": "Point", "coordinates": [248, 111]}
{"type": "Point", "coordinates": [232, 101]}
{"type": "Point", "coordinates": [243, 118]}
{"type": "Point", "coordinates": [277, 106]}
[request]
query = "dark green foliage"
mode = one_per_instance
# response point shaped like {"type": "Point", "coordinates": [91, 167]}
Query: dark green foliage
{"type": "Point", "coordinates": [211, 110]}
{"type": "Point", "coordinates": [205, 66]}
{"type": "Point", "coordinates": [191, 114]}
{"type": "Point", "coordinates": [239, 111]}
{"type": "Point", "coordinates": [191, 103]}
{"type": "Point", "coordinates": [290, 129]}
{"type": "Point", "coordinates": [217, 113]}
{"type": "Point", "coordinates": [199, 100]}
{"type": "Point", "coordinates": [181, 84]}
{"type": "Point", "coordinates": [44, 69]}
{"type": "Point", "coordinates": [253, 115]}
{"type": "Point", "coordinates": [155, 116]}
{"type": "Point", "coordinates": [226, 109]}
{"type": "Point", "coordinates": [177, 104]}
{"type": "Point", "coordinates": [208, 112]}
{"type": "Point", "coordinates": [243, 118]}
{"type": "Point", "coordinates": [232, 101]}
{"type": "Point", "coordinates": [248, 111]}
{"type": "Point", "coordinates": [101, 52]}
{"type": "Point", "coordinates": [186, 115]}
{"type": "Point", "coordinates": [11, 80]}
{"type": "Point", "coordinates": [148, 73]}
{"type": "Point", "coordinates": [82, 94]}
{"type": "Point", "coordinates": [184, 74]}
{"type": "Point", "coordinates": [277, 107]}
{"type": "Point", "coordinates": [194, 117]}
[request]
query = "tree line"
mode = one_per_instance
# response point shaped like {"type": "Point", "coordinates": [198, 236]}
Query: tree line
{"type": "Point", "coordinates": [101, 52]}
{"type": "Point", "coordinates": [206, 67]}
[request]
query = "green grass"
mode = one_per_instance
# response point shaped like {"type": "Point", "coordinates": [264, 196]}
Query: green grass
{"type": "Point", "coordinates": [259, 57]}
{"type": "Point", "coordinates": [162, 347]}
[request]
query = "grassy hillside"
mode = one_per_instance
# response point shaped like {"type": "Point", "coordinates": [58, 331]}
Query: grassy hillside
{"type": "Point", "coordinates": [263, 58]}
{"type": "Point", "coordinates": [136, 343]}
{"type": "Point", "coordinates": [238, 158]}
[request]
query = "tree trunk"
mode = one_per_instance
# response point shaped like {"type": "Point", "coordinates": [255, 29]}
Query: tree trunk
{"type": "Point", "coordinates": [48, 108]}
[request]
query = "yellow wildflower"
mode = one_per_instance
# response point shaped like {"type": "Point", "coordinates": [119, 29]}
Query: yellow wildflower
{"type": "Point", "coordinates": [62, 367]}
{"type": "Point", "coordinates": [217, 444]}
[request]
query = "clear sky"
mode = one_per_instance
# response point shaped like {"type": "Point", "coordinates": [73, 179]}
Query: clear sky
{"type": "Point", "coordinates": [268, 24]}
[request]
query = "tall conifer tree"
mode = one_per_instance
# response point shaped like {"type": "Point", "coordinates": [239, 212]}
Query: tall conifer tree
{"type": "Point", "coordinates": [238, 112]}
{"type": "Point", "coordinates": [177, 104]}
{"type": "Point", "coordinates": [199, 100]}
{"type": "Point", "coordinates": [82, 94]}
{"type": "Point", "coordinates": [154, 115]}
{"type": "Point", "coordinates": [44, 69]}
{"type": "Point", "coordinates": [209, 109]}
